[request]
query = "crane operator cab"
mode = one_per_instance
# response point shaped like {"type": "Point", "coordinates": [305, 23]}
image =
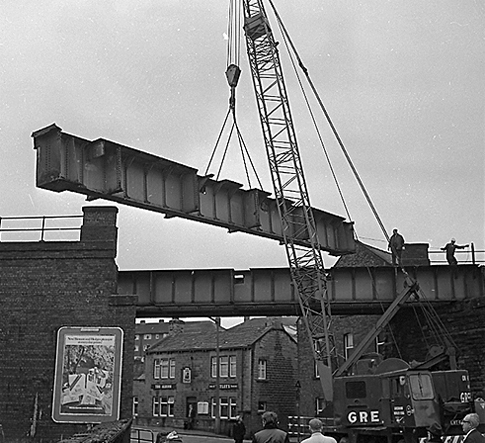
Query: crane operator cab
{"type": "Point", "coordinates": [403, 402]}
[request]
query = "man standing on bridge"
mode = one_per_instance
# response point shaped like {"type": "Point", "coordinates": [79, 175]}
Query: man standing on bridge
{"type": "Point", "coordinates": [396, 245]}
{"type": "Point", "coordinates": [450, 249]}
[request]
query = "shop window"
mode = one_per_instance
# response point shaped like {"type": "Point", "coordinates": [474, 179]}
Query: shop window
{"type": "Point", "coordinates": [164, 368]}
{"type": "Point", "coordinates": [227, 407]}
{"type": "Point", "coordinates": [214, 367]}
{"type": "Point", "coordinates": [224, 369]}
{"type": "Point", "coordinates": [156, 368]}
{"type": "Point", "coordinates": [232, 366]}
{"type": "Point", "coordinates": [172, 368]}
{"type": "Point", "coordinates": [155, 406]}
{"type": "Point", "coordinates": [202, 407]}
{"type": "Point", "coordinates": [167, 406]}
{"type": "Point", "coordinates": [232, 407]}
{"type": "Point", "coordinates": [227, 366]}
{"type": "Point", "coordinates": [224, 407]}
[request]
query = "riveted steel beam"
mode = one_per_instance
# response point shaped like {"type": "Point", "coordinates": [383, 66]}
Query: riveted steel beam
{"type": "Point", "coordinates": [268, 291]}
{"type": "Point", "coordinates": [105, 169]}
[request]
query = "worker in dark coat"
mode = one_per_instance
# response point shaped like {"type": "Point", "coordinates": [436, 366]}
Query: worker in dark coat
{"type": "Point", "coordinates": [450, 249]}
{"type": "Point", "coordinates": [469, 425]}
{"type": "Point", "coordinates": [396, 245]}
{"type": "Point", "coordinates": [238, 430]}
{"type": "Point", "coordinates": [270, 432]}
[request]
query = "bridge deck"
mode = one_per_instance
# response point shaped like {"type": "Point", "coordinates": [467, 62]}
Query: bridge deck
{"type": "Point", "coordinates": [268, 291]}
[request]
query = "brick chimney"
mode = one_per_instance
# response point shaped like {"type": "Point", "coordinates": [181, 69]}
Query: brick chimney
{"type": "Point", "coordinates": [416, 254]}
{"type": "Point", "coordinates": [175, 326]}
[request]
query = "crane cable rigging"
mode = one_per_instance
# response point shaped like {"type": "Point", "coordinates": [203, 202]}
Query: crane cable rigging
{"type": "Point", "coordinates": [436, 326]}
{"type": "Point", "coordinates": [288, 41]}
{"type": "Point", "coordinates": [233, 73]}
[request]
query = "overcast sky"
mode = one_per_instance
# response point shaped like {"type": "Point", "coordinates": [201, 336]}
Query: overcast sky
{"type": "Point", "coordinates": [402, 80]}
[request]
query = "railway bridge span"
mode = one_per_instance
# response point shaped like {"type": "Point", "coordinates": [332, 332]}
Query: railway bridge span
{"type": "Point", "coordinates": [268, 291]}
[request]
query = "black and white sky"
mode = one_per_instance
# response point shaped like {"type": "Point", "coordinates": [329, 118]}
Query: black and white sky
{"type": "Point", "coordinates": [402, 80]}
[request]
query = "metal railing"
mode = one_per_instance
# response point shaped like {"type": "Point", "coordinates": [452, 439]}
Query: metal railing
{"type": "Point", "coordinates": [468, 255]}
{"type": "Point", "coordinates": [298, 425]}
{"type": "Point", "coordinates": [40, 228]}
{"type": "Point", "coordinates": [140, 435]}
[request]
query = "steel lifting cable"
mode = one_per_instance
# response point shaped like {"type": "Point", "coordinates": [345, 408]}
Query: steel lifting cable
{"type": "Point", "coordinates": [434, 321]}
{"type": "Point", "coordinates": [330, 122]}
{"type": "Point", "coordinates": [234, 33]}
{"type": "Point", "coordinates": [317, 129]}
{"type": "Point", "coordinates": [232, 75]}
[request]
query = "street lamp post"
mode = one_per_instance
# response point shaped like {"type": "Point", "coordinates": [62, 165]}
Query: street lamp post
{"type": "Point", "coordinates": [218, 376]}
{"type": "Point", "coordinates": [217, 421]}
{"type": "Point", "coordinates": [297, 391]}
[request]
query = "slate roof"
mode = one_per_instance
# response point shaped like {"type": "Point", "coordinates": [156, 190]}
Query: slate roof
{"type": "Point", "coordinates": [152, 328]}
{"type": "Point", "coordinates": [365, 256]}
{"type": "Point", "coordinates": [240, 336]}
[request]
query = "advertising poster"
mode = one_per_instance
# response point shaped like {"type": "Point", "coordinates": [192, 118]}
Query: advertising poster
{"type": "Point", "coordinates": [87, 381]}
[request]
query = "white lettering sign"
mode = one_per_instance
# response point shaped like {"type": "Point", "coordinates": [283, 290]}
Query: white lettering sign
{"type": "Point", "coordinates": [363, 417]}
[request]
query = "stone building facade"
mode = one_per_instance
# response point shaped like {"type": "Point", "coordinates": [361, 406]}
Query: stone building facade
{"type": "Point", "coordinates": [257, 363]}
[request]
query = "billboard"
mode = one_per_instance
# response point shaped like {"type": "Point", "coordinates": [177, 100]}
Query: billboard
{"type": "Point", "coordinates": [87, 380]}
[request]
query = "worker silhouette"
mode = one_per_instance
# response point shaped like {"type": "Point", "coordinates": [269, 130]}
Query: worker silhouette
{"type": "Point", "coordinates": [450, 249]}
{"type": "Point", "coordinates": [396, 245]}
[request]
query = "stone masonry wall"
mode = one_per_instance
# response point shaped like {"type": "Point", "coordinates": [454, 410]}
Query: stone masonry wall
{"type": "Point", "coordinates": [278, 391]}
{"type": "Point", "coordinates": [464, 321]}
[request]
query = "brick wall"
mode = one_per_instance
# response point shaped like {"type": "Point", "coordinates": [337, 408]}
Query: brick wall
{"type": "Point", "coordinates": [43, 286]}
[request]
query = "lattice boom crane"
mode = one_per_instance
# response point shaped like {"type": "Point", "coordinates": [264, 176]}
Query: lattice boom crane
{"type": "Point", "coordinates": [290, 188]}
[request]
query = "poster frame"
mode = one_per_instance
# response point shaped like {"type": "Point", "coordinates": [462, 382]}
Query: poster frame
{"type": "Point", "coordinates": [91, 335]}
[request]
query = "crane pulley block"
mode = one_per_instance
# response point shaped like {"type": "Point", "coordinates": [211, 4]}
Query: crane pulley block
{"type": "Point", "coordinates": [233, 72]}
